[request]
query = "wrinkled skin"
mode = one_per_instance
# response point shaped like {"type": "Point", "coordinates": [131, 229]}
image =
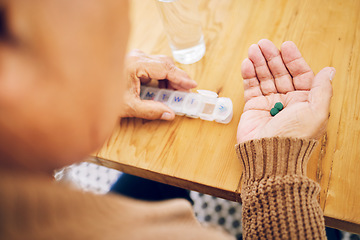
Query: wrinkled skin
{"type": "Point", "coordinates": [272, 76]}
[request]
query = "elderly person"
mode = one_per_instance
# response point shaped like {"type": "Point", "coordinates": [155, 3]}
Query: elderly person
{"type": "Point", "coordinates": [62, 92]}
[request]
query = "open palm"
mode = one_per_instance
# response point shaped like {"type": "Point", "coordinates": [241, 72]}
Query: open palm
{"type": "Point", "coordinates": [272, 76]}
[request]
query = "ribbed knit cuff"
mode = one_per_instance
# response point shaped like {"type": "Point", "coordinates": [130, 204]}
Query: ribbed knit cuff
{"type": "Point", "coordinates": [282, 207]}
{"type": "Point", "coordinates": [270, 157]}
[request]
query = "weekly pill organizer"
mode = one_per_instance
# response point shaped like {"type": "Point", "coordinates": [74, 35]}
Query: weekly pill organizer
{"type": "Point", "coordinates": [205, 104]}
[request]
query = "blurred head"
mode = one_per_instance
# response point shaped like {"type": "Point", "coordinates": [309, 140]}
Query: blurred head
{"type": "Point", "coordinates": [61, 79]}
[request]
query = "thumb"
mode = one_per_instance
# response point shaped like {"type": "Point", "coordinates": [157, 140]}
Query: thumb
{"type": "Point", "coordinates": [321, 90]}
{"type": "Point", "coordinates": [152, 110]}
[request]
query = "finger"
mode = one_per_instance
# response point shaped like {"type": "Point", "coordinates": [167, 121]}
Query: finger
{"type": "Point", "coordinates": [298, 68]}
{"type": "Point", "coordinates": [164, 68]}
{"type": "Point", "coordinates": [267, 84]}
{"type": "Point", "coordinates": [152, 110]}
{"type": "Point", "coordinates": [321, 91]}
{"type": "Point", "coordinates": [169, 85]}
{"type": "Point", "coordinates": [166, 84]}
{"type": "Point", "coordinates": [251, 83]}
{"type": "Point", "coordinates": [177, 87]}
{"type": "Point", "coordinates": [176, 76]}
{"type": "Point", "coordinates": [283, 80]}
{"type": "Point", "coordinates": [145, 80]}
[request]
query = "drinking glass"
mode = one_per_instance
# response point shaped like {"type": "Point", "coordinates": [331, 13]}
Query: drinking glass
{"type": "Point", "coordinates": [183, 28]}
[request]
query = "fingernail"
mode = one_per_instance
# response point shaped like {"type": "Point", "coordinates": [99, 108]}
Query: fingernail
{"type": "Point", "coordinates": [332, 74]}
{"type": "Point", "coordinates": [166, 116]}
{"type": "Point", "coordinates": [193, 82]}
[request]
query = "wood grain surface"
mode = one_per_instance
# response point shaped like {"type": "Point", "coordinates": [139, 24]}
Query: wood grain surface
{"type": "Point", "coordinates": [200, 155]}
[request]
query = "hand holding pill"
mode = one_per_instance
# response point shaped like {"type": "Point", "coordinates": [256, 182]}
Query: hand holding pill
{"type": "Point", "coordinates": [282, 95]}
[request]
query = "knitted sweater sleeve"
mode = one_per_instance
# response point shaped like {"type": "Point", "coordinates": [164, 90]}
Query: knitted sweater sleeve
{"type": "Point", "coordinates": [279, 201]}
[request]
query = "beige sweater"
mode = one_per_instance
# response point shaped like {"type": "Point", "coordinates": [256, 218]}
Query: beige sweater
{"type": "Point", "coordinates": [279, 201]}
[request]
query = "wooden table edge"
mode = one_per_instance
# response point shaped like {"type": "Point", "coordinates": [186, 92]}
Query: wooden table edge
{"type": "Point", "coordinates": [171, 180]}
{"type": "Point", "coordinates": [342, 225]}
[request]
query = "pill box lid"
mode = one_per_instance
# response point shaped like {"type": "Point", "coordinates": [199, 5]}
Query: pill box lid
{"type": "Point", "coordinates": [207, 93]}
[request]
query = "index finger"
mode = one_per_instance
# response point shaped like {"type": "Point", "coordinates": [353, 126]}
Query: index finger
{"type": "Point", "coordinates": [163, 67]}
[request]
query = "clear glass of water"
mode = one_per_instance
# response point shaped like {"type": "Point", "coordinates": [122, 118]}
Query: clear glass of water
{"type": "Point", "coordinates": [183, 28]}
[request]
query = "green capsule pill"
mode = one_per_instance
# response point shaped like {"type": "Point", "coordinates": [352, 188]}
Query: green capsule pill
{"type": "Point", "coordinates": [279, 106]}
{"type": "Point", "coordinates": [274, 111]}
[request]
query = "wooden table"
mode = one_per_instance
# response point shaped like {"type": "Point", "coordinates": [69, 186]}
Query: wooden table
{"type": "Point", "coordinates": [200, 155]}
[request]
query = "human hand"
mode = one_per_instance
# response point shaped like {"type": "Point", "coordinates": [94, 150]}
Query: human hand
{"type": "Point", "coordinates": [141, 69]}
{"type": "Point", "coordinates": [272, 76]}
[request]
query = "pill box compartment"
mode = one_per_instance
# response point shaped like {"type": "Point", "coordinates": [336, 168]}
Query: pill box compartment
{"type": "Point", "coordinates": [192, 105]}
{"type": "Point", "coordinates": [176, 102]}
{"type": "Point", "coordinates": [164, 96]}
{"type": "Point", "coordinates": [149, 93]}
{"type": "Point", "coordinates": [204, 104]}
{"type": "Point", "coordinates": [223, 112]}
